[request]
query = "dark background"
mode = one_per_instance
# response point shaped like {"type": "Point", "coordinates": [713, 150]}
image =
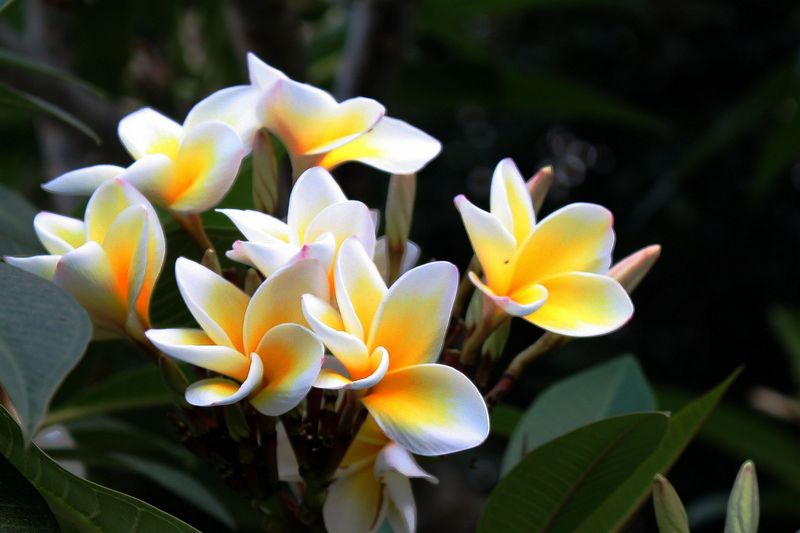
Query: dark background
{"type": "Point", "coordinates": [681, 117]}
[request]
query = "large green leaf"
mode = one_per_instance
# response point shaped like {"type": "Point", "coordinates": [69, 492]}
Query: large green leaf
{"type": "Point", "coordinates": [43, 334]}
{"type": "Point", "coordinates": [610, 389]}
{"type": "Point", "coordinates": [22, 509]}
{"type": "Point", "coordinates": [134, 388]}
{"type": "Point", "coordinates": [558, 485]}
{"type": "Point", "coordinates": [79, 504]}
{"type": "Point", "coordinates": [17, 236]}
{"type": "Point", "coordinates": [629, 495]}
{"type": "Point", "coordinates": [9, 58]}
{"type": "Point", "coordinates": [12, 97]}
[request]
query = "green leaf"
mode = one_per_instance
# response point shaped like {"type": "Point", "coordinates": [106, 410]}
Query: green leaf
{"type": "Point", "coordinates": [17, 236]}
{"type": "Point", "coordinates": [785, 324]}
{"type": "Point", "coordinates": [613, 388]}
{"type": "Point", "coordinates": [504, 418]}
{"type": "Point", "coordinates": [743, 506]}
{"type": "Point", "coordinates": [670, 513]}
{"type": "Point", "coordinates": [79, 504]}
{"type": "Point", "coordinates": [43, 334]}
{"type": "Point", "coordinates": [8, 57]}
{"type": "Point", "coordinates": [628, 496]}
{"type": "Point", "coordinates": [134, 388]}
{"type": "Point", "coordinates": [12, 97]}
{"type": "Point", "coordinates": [23, 508]}
{"type": "Point", "coordinates": [562, 482]}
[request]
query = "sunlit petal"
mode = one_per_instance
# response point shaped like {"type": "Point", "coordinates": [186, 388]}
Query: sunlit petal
{"type": "Point", "coordinates": [378, 363]}
{"type": "Point", "coordinates": [107, 202]}
{"type": "Point", "coordinates": [582, 305]}
{"type": "Point", "coordinates": [193, 346]}
{"type": "Point", "coordinates": [151, 176]}
{"type": "Point", "coordinates": [235, 106]}
{"type": "Point", "coordinates": [205, 167]}
{"type": "Point", "coordinates": [292, 358]}
{"type": "Point", "coordinates": [308, 120]}
{"type": "Point", "coordinates": [392, 146]}
{"type": "Point", "coordinates": [59, 234]}
{"type": "Point", "coordinates": [257, 226]}
{"type": "Point", "coordinates": [576, 238]}
{"type": "Point", "coordinates": [510, 200]}
{"type": "Point", "coordinates": [147, 131]}
{"type": "Point", "coordinates": [429, 409]}
{"type": "Point", "coordinates": [43, 266]}
{"type": "Point", "coordinates": [314, 190]}
{"type": "Point", "coordinates": [84, 180]}
{"type": "Point", "coordinates": [354, 503]}
{"type": "Point", "coordinates": [412, 319]}
{"type": "Point", "coordinates": [327, 324]}
{"type": "Point", "coordinates": [359, 287]}
{"type": "Point", "coordinates": [343, 220]}
{"type": "Point", "coordinates": [261, 74]}
{"type": "Point", "coordinates": [217, 305]}
{"type": "Point", "coordinates": [125, 246]}
{"type": "Point", "coordinates": [223, 391]}
{"type": "Point", "coordinates": [278, 299]}
{"type": "Point", "coordinates": [494, 245]}
{"type": "Point", "coordinates": [523, 302]}
{"type": "Point", "coordinates": [266, 258]}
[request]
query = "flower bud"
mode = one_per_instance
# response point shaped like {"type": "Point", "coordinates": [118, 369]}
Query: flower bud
{"type": "Point", "coordinates": [629, 272]}
{"type": "Point", "coordinates": [265, 174]}
{"type": "Point", "coordinates": [539, 186]}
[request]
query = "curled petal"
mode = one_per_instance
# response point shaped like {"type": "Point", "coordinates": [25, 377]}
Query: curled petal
{"type": "Point", "coordinates": [412, 319]}
{"type": "Point", "coordinates": [223, 391]}
{"type": "Point", "coordinates": [205, 167]}
{"type": "Point", "coordinates": [510, 200]}
{"type": "Point", "coordinates": [309, 120]}
{"type": "Point", "coordinates": [261, 74]}
{"type": "Point", "coordinates": [394, 458]}
{"type": "Point", "coordinates": [277, 300]}
{"type": "Point", "coordinates": [378, 362]}
{"type": "Point", "coordinates": [349, 350]}
{"type": "Point", "coordinates": [193, 346]}
{"type": "Point", "coordinates": [107, 202]}
{"type": "Point", "coordinates": [576, 238]}
{"type": "Point", "coordinates": [343, 220]}
{"type": "Point", "coordinates": [429, 409]}
{"type": "Point", "coordinates": [84, 180]}
{"type": "Point", "coordinates": [494, 245]}
{"type": "Point", "coordinates": [266, 258]}
{"type": "Point", "coordinates": [523, 302]}
{"type": "Point", "coordinates": [314, 190]}
{"type": "Point", "coordinates": [151, 175]}
{"type": "Point", "coordinates": [392, 145]}
{"type": "Point", "coordinates": [147, 131]}
{"type": "Point", "coordinates": [43, 266]}
{"type": "Point", "coordinates": [354, 503]}
{"type": "Point", "coordinates": [581, 304]}
{"type": "Point", "coordinates": [257, 226]}
{"type": "Point", "coordinates": [125, 246]}
{"type": "Point", "coordinates": [217, 305]}
{"type": "Point", "coordinates": [359, 287]}
{"type": "Point", "coordinates": [235, 106]}
{"type": "Point", "coordinates": [401, 511]}
{"type": "Point", "coordinates": [292, 358]}
{"type": "Point", "coordinates": [59, 234]}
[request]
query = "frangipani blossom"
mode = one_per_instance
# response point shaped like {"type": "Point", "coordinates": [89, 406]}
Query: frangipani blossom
{"type": "Point", "coordinates": [320, 217]}
{"type": "Point", "coordinates": [385, 342]}
{"type": "Point", "coordinates": [553, 273]}
{"type": "Point", "coordinates": [109, 261]}
{"type": "Point", "coordinates": [187, 169]}
{"type": "Point", "coordinates": [259, 345]}
{"type": "Point", "coordinates": [372, 485]}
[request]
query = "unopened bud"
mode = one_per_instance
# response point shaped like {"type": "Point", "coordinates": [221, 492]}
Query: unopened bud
{"type": "Point", "coordinates": [493, 346]}
{"type": "Point", "coordinates": [210, 260]}
{"type": "Point", "coordinates": [265, 174]}
{"type": "Point", "coordinates": [252, 281]}
{"type": "Point", "coordinates": [539, 186]}
{"type": "Point", "coordinates": [630, 271]}
{"type": "Point", "coordinates": [670, 513]}
{"type": "Point", "coordinates": [743, 503]}
{"type": "Point", "coordinates": [400, 208]}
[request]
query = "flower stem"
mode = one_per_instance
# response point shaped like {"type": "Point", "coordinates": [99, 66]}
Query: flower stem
{"type": "Point", "coordinates": [193, 225]}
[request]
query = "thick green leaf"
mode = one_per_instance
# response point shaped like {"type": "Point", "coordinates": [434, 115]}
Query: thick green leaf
{"type": "Point", "coordinates": [22, 508]}
{"type": "Point", "coordinates": [43, 334]}
{"type": "Point", "coordinates": [743, 506]}
{"type": "Point", "coordinates": [670, 514]}
{"type": "Point", "coordinates": [13, 97]}
{"type": "Point", "coordinates": [134, 388]}
{"type": "Point", "coordinates": [628, 496]}
{"type": "Point", "coordinates": [613, 388]}
{"type": "Point", "coordinates": [17, 236]}
{"type": "Point", "coordinates": [8, 57]}
{"type": "Point", "coordinates": [79, 504]}
{"type": "Point", "coordinates": [504, 419]}
{"type": "Point", "coordinates": [562, 482]}
{"type": "Point", "coordinates": [769, 443]}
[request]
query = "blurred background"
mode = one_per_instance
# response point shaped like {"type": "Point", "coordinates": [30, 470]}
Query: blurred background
{"type": "Point", "coordinates": [681, 117]}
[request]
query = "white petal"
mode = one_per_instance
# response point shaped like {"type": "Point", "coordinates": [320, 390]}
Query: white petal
{"type": "Point", "coordinates": [314, 190]}
{"type": "Point", "coordinates": [235, 106]}
{"type": "Point", "coordinates": [257, 226]}
{"type": "Point", "coordinates": [401, 511]}
{"type": "Point", "coordinates": [410, 257]}
{"type": "Point", "coordinates": [193, 346]}
{"type": "Point", "coordinates": [83, 180]}
{"type": "Point", "coordinates": [510, 200]}
{"type": "Point", "coordinates": [147, 131]}
{"type": "Point", "coordinates": [344, 219]}
{"type": "Point", "coordinates": [43, 266]}
{"type": "Point", "coordinates": [522, 303]}
{"type": "Point", "coordinates": [354, 503]}
{"type": "Point", "coordinates": [223, 391]}
{"type": "Point", "coordinates": [107, 202]}
{"type": "Point", "coordinates": [359, 287]}
{"type": "Point", "coordinates": [394, 457]}
{"type": "Point", "coordinates": [59, 234]}
{"type": "Point", "coordinates": [327, 324]}
{"type": "Point", "coordinates": [261, 74]}
{"type": "Point", "coordinates": [331, 379]}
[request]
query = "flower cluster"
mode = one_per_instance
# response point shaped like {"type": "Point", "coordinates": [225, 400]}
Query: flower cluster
{"type": "Point", "coordinates": [338, 310]}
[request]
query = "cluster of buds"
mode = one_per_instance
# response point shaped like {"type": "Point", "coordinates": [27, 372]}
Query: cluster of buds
{"type": "Point", "coordinates": [329, 354]}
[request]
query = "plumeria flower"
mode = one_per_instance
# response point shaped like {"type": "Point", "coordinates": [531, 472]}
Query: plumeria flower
{"type": "Point", "coordinates": [186, 169]}
{"type": "Point", "coordinates": [109, 261]}
{"type": "Point", "coordinates": [385, 342]}
{"type": "Point", "coordinates": [320, 217]}
{"type": "Point", "coordinates": [553, 273]}
{"type": "Point", "coordinates": [259, 345]}
{"type": "Point", "coordinates": [373, 485]}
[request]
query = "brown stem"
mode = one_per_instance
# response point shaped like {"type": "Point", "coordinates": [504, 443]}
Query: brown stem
{"type": "Point", "coordinates": [465, 287]}
{"type": "Point", "coordinates": [193, 225]}
{"type": "Point", "coordinates": [471, 350]}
